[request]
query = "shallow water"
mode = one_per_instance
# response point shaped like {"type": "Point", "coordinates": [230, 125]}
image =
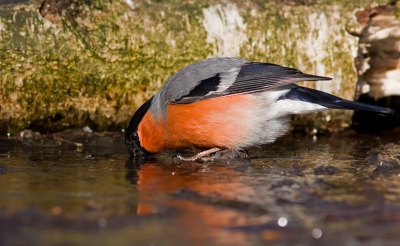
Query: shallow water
{"type": "Point", "coordinates": [303, 190]}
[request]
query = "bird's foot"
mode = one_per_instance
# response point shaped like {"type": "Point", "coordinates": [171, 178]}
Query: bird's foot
{"type": "Point", "coordinates": [216, 154]}
{"type": "Point", "coordinates": [203, 156]}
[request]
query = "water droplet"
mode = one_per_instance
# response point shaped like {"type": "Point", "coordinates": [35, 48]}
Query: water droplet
{"type": "Point", "coordinates": [316, 233]}
{"type": "Point", "coordinates": [8, 134]}
{"type": "Point", "coordinates": [123, 130]}
{"type": "Point", "coordinates": [328, 117]}
{"type": "Point", "coordinates": [282, 221]}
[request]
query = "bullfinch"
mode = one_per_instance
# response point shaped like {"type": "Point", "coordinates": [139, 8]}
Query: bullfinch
{"type": "Point", "coordinates": [227, 103]}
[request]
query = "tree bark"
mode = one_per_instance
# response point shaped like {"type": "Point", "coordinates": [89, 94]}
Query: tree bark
{"type": "Point", "coordinates": [71, 63]}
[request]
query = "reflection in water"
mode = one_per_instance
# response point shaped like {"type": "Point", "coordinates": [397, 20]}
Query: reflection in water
{"type": "Point", "coordinates": [206, 196]}
{"type": "Point", "coordinates": [283, 196]}
{"type": "Point", "coordinates": [132, 166]}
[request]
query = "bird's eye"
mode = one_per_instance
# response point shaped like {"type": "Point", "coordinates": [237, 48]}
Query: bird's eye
{"type": "Point", "coordinates": [135, 137]}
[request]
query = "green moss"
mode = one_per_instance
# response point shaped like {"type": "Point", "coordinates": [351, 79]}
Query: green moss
{"type": "Point", "coordinates": [96, 63]}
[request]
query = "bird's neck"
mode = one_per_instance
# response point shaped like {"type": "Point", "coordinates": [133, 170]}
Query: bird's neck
{"type": "Point", "coordinates": [151, 133]}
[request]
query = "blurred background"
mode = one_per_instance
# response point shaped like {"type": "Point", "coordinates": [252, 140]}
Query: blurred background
{"type": "Point", "coordinates": [76, 63]}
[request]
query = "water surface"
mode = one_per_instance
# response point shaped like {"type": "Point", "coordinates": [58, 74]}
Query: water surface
{"type": "Point", "coordinates": [304, 190]}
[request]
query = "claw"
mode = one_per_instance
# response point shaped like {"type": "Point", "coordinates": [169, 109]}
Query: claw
{"type": "Point", "coordinates": [202, 156]}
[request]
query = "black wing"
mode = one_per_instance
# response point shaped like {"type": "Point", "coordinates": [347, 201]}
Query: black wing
{"type": "Point", "coordinates": [247, 78]}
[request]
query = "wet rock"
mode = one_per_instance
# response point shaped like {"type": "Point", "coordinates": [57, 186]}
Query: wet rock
{"type": "Point", "coordinates": [31, 138]}
{"type": "Point", "coordinates": [326, 170]}
{"type": "Point", "coordinates": [372, 157]}
{"type": "Point", "coordinates": [73, 133]}
{"type": "Point", "coordinates": [378, 65]}
{"type": "Point", "coordinates": [297, 169]}
{"type": "Point", "coordinates": [103, 142]}
{"type": "Point", "coordinates": [231, 156]}
{"type": "Point", "coordinates": [384, 159]}
{"type": "Point", "coordinates": [29, 134]}
{"type": "Point", "coordinates": [378, 57]}
{"type": "Point", "coordinates": [387, 167]}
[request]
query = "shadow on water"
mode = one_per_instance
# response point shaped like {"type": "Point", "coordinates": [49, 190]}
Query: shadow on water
{"type": "Point", "coordinates": [329, 190]}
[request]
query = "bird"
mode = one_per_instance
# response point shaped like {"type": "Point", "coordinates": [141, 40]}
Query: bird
{"type": "Point", "coordinates": [227, 103]}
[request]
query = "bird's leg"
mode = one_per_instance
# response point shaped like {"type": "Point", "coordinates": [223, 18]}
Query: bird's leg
{"type": "Point", "coordinates": [199, 156]}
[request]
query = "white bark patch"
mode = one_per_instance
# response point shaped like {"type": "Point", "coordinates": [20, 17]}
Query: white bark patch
{"type": "Point", "coordinates": [385, 83]}
{"type": "Point", "coordinates": [130, 3]}
{"type": "Point", "coordinates": [319, 46]}
{"type": "Point", "coordinates": [225, 29]}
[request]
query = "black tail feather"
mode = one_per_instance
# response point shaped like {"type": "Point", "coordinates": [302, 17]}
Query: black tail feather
{"type": "Point", "coordinates": [331, 101]}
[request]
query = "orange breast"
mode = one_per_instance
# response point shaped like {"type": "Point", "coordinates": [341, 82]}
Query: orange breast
{"type": "Point", "coordinates": [152, 133]}
{"type": "Point", "coordinates": [217, 122]}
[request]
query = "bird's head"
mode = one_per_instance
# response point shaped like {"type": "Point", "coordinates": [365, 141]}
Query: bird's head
{"type": "Point", "coordinates": [132, 138]}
